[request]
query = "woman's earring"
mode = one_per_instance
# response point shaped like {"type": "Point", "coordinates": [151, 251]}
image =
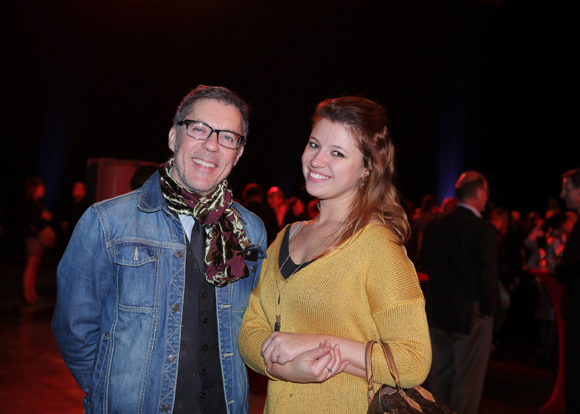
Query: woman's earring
{"type": "Point", "coordinates": [364, 179]}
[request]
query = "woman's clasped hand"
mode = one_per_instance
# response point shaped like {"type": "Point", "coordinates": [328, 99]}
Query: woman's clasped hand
{"type": "Point", "coordinates": [288, 357]}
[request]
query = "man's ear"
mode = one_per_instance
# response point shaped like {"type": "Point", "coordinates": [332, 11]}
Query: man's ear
{"type": "Point", "coordinates": [239, 154]}
{"type": "Point", "coordinates": [172, 138]}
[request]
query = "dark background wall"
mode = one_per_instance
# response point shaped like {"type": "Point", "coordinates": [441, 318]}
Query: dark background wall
{"type": "Point", "coordinates": [466, 85]}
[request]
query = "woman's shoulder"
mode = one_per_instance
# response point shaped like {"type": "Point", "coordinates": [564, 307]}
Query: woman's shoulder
{"type": "Point", "coordinates": [378, 230]}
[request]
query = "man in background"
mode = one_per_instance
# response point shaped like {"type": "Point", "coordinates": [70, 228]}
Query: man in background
{"type": "Point", "coordinates": [253, 200]}
{"type": "Point", "coordinates": [76, 208]}
{"type": "Point", "coordinates": [277, 201]}
{"type": "Point", "coordinates": [459, 253]}
{"type": "Point", "coordinates": [567, 270]}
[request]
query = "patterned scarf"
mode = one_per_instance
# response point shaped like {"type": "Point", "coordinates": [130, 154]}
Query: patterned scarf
{"type": "Point", "coordinates": [226, 238]}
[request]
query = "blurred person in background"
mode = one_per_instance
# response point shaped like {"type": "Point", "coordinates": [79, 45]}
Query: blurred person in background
{"type": "Point", "coordinates": [312, 209]}
{"type": "Point", "coordinates": [296, 211]}
{"type": "Point", "coordinates": [460, 255]}
{"type": "Point", "coordinates": [533, 235]}
{"type": "Point", "coordinates": [141, 175]}
{"type": "Point", "coordinates": [423, 217]}
{"type": "Point", "coordinates": [77, 206]}
{"type": "Point", "coordinates": [38, 235]}
{"type": "Point", "coordinates": [567, 269]}
{"type": "Point", "coordinates": [253, 200]}
{"type": "Point", "coordinates": [448, 204]}
{"type": "Point", "coordinates": [277, 201]}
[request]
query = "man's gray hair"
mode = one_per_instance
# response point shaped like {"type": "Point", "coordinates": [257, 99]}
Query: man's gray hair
{"type": "Point", "coordinates": [217, 93]}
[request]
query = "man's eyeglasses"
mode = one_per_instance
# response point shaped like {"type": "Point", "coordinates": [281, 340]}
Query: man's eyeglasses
{"type": "Point", "coordinates": [202, 131]}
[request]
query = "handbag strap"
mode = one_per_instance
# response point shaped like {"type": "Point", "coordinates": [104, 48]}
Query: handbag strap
{"type": "Point", "coordinates": [392, 370]}
{"type": "Point", "coordinates": [369, 369]}
{"type": "Point", "coordinates": [390, 363]}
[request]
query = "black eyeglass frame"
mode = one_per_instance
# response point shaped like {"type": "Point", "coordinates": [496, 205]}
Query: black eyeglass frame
{"type": "Point", "coordinates": [186, 122]}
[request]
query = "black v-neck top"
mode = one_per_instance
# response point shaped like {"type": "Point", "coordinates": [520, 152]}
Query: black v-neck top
{"type": "Point", "coordinates": [288, 267]}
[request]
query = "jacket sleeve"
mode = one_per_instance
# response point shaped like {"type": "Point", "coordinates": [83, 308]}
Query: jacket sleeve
{"type": "Point", "coordinates": [84, 277]}
{"type": "Point", "coordinates": [397, 306]}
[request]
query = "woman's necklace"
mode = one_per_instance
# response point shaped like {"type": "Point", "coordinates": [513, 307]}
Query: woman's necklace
{"type": "Point", "coordinates": [280, 301]}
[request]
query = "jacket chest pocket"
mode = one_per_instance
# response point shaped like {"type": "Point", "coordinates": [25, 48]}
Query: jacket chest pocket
{"type": "Point", "coordinates": [137, 275]}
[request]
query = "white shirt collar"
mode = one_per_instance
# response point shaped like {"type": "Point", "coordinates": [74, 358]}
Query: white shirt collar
{"type": "Point", "coordinates": [467, 206]}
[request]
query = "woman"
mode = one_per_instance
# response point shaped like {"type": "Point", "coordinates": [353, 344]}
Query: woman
{"type": "Point", "coordinates": [36, 229]}
{"type": "Point", "coordinates": [331, 284]}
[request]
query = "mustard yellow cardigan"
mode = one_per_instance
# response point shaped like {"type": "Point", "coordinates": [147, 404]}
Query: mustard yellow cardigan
{"type": "Point", "coordinates": [365, 290]}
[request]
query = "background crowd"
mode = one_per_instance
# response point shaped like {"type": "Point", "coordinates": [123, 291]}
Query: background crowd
{"type": "Point", "coordinates": [525, 242]}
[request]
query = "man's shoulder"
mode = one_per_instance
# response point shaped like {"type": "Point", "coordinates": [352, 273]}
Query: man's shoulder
{"type": "Point", "coordinates": [147, 198]}
{"type": "Point", "coordinates": [126, 200]}
{"type": "Point", "coordinates": [469, 222]}
{"type": "Point", "coordinates": [463, 214]}
{"type": "Point", "coordinates": [460, 219]}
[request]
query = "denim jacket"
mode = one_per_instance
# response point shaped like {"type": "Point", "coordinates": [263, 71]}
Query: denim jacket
{"type": "Point", "coordinates": [118, 314]}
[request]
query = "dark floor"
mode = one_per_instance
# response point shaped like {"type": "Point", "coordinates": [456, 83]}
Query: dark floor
{"type": "Point", "coordinates": [34, 379]}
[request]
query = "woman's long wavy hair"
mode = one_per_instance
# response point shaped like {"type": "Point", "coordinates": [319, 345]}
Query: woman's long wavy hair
{"type": "Point", "coordinates": [366, 122]}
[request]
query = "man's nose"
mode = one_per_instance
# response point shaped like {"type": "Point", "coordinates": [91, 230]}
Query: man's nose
{"type": "Point", "coordinates": [212, 144]}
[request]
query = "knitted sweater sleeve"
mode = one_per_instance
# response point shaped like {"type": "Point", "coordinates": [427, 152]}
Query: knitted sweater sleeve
{"type": "Point", "coordinates": [255, 330]}
{"type": "Point", "coordinates": [397, 307]}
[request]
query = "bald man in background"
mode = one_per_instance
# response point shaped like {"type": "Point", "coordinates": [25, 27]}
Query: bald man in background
{"type": "Point", "coordinates": [460, 254]}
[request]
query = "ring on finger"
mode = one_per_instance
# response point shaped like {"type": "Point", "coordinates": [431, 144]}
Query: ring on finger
{"type": "Point", "coordinates": [329, 370]}
{"type": "Point", "coordinates": [275, 356]}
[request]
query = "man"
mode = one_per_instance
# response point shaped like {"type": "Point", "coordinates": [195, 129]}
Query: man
{"type": "Point", "coordinates": [253, 200]}
{"type": "Point", "coordinates": [424, 216]}
{"type": "Point", "coordinates": [460, 254]}
{"type": "Point", "coordinates": [277, 201]}
{"type": "Point", "coordinates": [76, 208]}
{"type": "Point", "coordinates": [148, 308]}
{"type": "Point", "coordinates": [567, 270]}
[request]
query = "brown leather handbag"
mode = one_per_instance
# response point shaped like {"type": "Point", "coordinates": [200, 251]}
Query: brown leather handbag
{"type": "Point", "coordinates": [396, 400]}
